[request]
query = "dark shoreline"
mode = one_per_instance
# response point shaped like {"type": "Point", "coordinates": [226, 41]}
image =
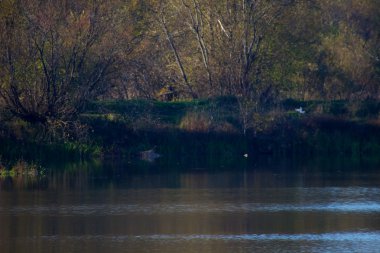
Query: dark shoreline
{"type": "Point", "coordinates": [122, 129]}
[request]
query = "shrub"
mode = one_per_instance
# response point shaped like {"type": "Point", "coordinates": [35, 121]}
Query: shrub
{"type": "Point", "coordinates": [368, 108]}
{"type": "Point", "coordinates": [338, 108]}
{"type": "Point", "coordinates": [291, 104]}
{"type": "Point", "coordinates": [225, 127]}
{"type": "Point", "coordinates": [20, 169]}
{"type": "Point", "coordinates": [196, 122]}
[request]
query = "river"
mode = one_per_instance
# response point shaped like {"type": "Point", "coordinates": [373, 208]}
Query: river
{"type": "Point", "coordinates": [259, 208]}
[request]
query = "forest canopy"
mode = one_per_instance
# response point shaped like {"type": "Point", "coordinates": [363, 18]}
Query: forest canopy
{"type": "Point", "coordinates": [57, 55]}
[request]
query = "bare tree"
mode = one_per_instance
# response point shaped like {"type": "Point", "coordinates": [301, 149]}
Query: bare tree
{"type": "Point", "coordinates": [55, 58]}
{"type": "Point", "coordinates": [197, 25]}
{"type": "Point", "coordinates": [161, 13]}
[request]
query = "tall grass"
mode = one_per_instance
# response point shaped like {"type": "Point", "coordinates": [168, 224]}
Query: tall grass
{"type": "Point", "coordinates": [123, 128]}
{"type": "Point", "coordinates": [20, 169]}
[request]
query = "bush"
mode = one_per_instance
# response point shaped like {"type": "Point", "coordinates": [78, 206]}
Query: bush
{"type": "Point", "coordinates": [368, 108]}
{"type": "Point", "coordinates": [338, 108]}
{"type": "Point", "coordinates": [196, 122]}
{"type": "Point", "coordinates": [225, 127]}
{"type": "Point", "coordinates": [22, 168]}
{"type": "Point", "coordinates": [207, 121]}
{"type": "Point", "coordinates": [291, 104]}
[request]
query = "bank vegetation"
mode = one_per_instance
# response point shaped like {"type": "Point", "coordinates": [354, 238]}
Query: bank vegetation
{"type": "Point", "coordinates": [60, 58]}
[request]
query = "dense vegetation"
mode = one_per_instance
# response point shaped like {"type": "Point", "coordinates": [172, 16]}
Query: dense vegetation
{"type": "Point", "coordinates": [266, 57]}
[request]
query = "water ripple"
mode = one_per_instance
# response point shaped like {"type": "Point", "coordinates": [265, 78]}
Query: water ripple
{"type": "Point", "coordinates": [331, 237]}
{"type": "Point", "coordinates": [122, 209]}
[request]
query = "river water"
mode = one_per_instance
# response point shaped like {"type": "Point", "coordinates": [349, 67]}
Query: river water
{"type": "Point", "coordinates": [276, 208]}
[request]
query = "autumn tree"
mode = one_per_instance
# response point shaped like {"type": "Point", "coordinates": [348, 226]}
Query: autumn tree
{"type": "Point", "coordinates": [55, 55]}
{"type": "Point", "coordinates": [328, 50]}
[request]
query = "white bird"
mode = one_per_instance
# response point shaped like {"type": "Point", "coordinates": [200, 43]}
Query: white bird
{"type": "Point", "coordinates": [245, 155]}
{"type": "Point", "coordinates": [300, 110]}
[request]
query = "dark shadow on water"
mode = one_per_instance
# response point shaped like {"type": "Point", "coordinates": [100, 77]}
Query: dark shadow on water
{"type": "Point", "coordinates": [194, 201]}
{"type": "Point", "coordinates": [203, 159]}
{"type": "Point", "coordinates": [199, 171]}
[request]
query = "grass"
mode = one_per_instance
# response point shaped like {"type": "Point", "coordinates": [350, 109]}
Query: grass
{"type": "Point", "coordinates": [342, 127]}
{"type": "Point", "coordinates": [22, 169]}
{"type": "Point", "coordinates": [208, 114]}
{"type": "Point", "coordinates": [143, 114]}
{"type": "Point", "coordinates": [123, 128]}
{"type": "Point", "coordinates": [355, 110]}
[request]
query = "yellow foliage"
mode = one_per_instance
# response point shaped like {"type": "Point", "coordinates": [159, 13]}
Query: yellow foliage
{"type": "Point", "coordinates": [347, 51]}
{"type": "Point", "coordinates": [196, 122]}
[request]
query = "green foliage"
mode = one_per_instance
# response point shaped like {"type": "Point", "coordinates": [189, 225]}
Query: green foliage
{"type": "Point", "coordinates": [368, 108]}
{"type": "Point", "coordinates": [250, 64]}
{"type": "Point", "coordinates": [337, 108]}
{"type": "Point", "coordinates": [22, 169]}
{"type": "Point", "coordinates": [291, 104]}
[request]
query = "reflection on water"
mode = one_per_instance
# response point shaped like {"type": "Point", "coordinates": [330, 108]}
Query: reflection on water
{"type": "Point", "coordinates": [360, 236]}
{"type": "Point", "coordinates": [150, 209]}
{"type": "Point", "coordinates": [102, 208]}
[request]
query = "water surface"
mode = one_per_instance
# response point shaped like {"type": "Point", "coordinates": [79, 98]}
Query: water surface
{"type": "Point", "coordinates": [125, 208]}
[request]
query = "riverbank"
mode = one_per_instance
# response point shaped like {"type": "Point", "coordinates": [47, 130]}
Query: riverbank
{"type": "Point", "coordinates": [211, 127]}
{"type": "Point", "coordinates": [215, 126]}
